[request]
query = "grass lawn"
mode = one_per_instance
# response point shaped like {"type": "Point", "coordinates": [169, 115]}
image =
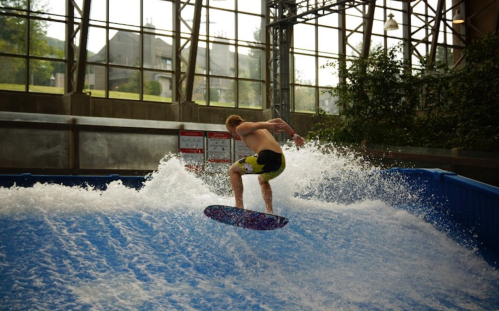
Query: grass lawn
{"type": "Point", "coordinates": [112, 95]}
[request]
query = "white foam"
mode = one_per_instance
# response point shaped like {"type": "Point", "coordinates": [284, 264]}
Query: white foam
{"type": "Point", "coordinates": [153, 249]}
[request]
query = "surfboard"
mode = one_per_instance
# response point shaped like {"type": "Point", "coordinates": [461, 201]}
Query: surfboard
{"type": "Point", "coordinates": [245, 218]}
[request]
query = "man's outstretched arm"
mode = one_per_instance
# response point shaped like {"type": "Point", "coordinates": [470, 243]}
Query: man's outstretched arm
{"type": "Point", "coordinates": [286, 128]}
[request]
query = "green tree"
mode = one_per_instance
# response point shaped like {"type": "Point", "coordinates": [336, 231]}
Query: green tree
{"type": "Point", "coordinates": [378, 97]}
{"type": "Point", "coordinates": [214, 95]}
{"type": "Point", "coordinates": [133, 84]}
{"type": "Point", "coordinates": [13, 30]}
{"type": "Point", "coordinates": [474, 107]}
{"type": "Point", "coordinates": [153, 87]}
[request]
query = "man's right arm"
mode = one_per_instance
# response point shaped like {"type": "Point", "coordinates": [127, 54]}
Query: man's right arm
{"type": "Point", "coordinates": [286, 128]}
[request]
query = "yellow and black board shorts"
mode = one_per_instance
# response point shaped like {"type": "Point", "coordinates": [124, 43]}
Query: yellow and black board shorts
{"type": "Point", "coordinates": [268, 163]}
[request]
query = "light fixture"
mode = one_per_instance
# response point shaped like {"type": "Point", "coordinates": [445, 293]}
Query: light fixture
{"type": "Point", "coordinates": [391, 24]}
{"type": "Point", "coordinates": [458, 18]}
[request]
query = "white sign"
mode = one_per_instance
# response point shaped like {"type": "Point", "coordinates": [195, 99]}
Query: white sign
{"type": "Point", "coordinates": [218, 150]}
{"type": "Point", "coordinates": [191, 145]}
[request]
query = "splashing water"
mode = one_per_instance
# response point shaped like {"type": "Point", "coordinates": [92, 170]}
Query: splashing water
{"type": "Point", "coordinates": [349, 245]}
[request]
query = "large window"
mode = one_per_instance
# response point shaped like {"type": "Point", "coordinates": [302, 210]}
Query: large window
{"type": "Point", "coordinates": [30, 59]}
{"type": "Point", "coordinates": [131, 48]}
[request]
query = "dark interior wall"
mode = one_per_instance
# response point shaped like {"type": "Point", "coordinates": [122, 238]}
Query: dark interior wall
{"type": "Point", "coordinates": [82, 105]}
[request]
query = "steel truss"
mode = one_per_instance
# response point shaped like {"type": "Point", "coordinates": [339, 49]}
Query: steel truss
{"type": "Point", "coordinates": [284, 14]}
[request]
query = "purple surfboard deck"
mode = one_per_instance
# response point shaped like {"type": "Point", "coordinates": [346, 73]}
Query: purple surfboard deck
{"type": "Point", "coordinates": [245, 218]}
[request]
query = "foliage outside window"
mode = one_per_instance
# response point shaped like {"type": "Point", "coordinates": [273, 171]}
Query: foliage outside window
{"type": "Point", "coordinates": [379, 99]}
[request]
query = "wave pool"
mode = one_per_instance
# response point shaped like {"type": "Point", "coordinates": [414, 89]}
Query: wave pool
{"type": "Point", "coordinates": [351, 243]}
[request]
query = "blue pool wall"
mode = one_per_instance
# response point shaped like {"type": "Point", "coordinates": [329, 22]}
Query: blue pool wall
{"type": "Point", "coordinates": [472, 204]}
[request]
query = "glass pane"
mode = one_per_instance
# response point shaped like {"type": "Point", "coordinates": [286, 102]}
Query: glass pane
{"type": "Point", "coordinates": [126, 13]}
{"type": "Point", "coordinates": [158, 14]}
{"type": "Point", "coordinates": [187, 15]}
{"type": "Point", "coordinates": [395, 5]}
{"type": "Point", "coordinates": [419, 7]}
{"type": "Point", "coordinates": [96, 45]}
{"type": "Point", "coordinates": [419, 35]}
{"type": "Point", "coordinates": [417, 21]}
{"type": "Point", "coordinates": [250, 28]}
{"type": "Point", "coordinates": [13, 77]}
{"type": "Point", "coordinates": [328, 40]}
{"type": "Point", "coordinates": [201, 58]}
{"type": "Point", "coordinates": [186, 49]}
{"type": "Point", "coordinates": [249, 6]}
{"type": "Point", "coordinates": [379, 13]}
{"type": "Point", "coordinates": [327, 102]}
{"type": "Point", "coordinates": [46, 76]}
{"type": "Point", "coordinates": [304, 99]}
{"type": "Point", "coordinates": [124, 83]}
{"type": "Point", "coordinates": [38, 43]}
{"type": "Point", "coordinates": [377, 41]}
{"type": "Point", "coordinates": [98, 13]}
{"type": "Point", "coordinates": [158, 52]}
{"type": "Point", "coordinates": [444, 55]}
{"type": "Point", "coordinates": [56, 8]}
{"type": "Point", "coordinates": [305, 69]}
{"type": "Point", "coordinates": [327, 73]}
{"type": "Point", "coordinates": [56, 40]}
{"type": "Point", "coordinates": [221, 25]}
{"type": "Point", "coordinates": [223, 4]}
{"type": "Point", "coordinates": [199, 93]}
{"type": "Point", "coordinates": [354, 46]}
{"type": "Point", "coordinates": [250, 63]}
{"type": "Point", "coordinates": [304, 37]}
{"type": "Point", "coordinates": [222, 61]}
{"type": "Point", "coordinates": [95, 81]}
{"type": "Point", "coordinates": [378, 27]}
{"type": "Point", "coordinates": [250, 94]}
{"type": "Point", "coordinates": [157, 86]}
{"type": "Point", "coordinates": [203, 29]}
{"type": "Point", "coordinates": [22, 5]}
{"type": "Point", "coordinates": [222, 92]}
{"type": "Point", "coordinates": [357, 10]}
{"type": "Point", "coordinates": [43, 9]}
{"type": "Point", "coordinates": [329, 20]}
{"type": "Point", "coordinates": [124, 48]}
{"type": "Point", "coordinates": [13, 35]}
{"type": "Point", "coordinates": [353, 22]}
{"type": "Point", "coordinates": [441, 36]}
{"type": "Point", "coordinates": [393, 42]}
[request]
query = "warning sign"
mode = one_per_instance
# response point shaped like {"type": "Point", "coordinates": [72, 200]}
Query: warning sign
{"type": "Point", "coordinates": [191, 146]}
{"type": "Point", "coordinates": [218, 155]}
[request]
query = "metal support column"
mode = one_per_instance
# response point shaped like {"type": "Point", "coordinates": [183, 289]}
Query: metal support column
{"type": "Point", "coordinates": [368, 29]}
{"type": "Point", "coordinates": [435, 30]}
{"type": "Point", "coordinates": [281, 44]}
{"type": "Point", "coordinates": [406, 21]}
{"type": "Point", "coordinates": [177, 56]}
{"type": "Point", "coordinates": [180, 98]}
{"type": "Point", "coordinates": [193, 52]}
{"type": "Point", "coordinates": [75, 71]}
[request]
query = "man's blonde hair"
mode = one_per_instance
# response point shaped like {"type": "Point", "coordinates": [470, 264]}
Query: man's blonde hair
{"type": "Point", "coordinates": [233, 120]}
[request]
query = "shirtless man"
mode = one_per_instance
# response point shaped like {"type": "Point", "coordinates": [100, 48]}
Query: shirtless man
{"type": "Point", "coordinates": [269, 160]}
